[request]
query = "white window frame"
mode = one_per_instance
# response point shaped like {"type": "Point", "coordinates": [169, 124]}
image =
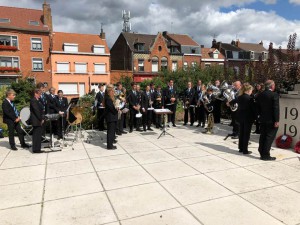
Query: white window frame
{"type": "Point", "coordinates": [174, 68]}
{"type": "Point", "coordinates": [75, 91]}
{"type": "Point", "coordinates": [185, 65]}
{"type": "Point", "coordinates": [32, 41]}
{"type": "Point", "coordinates": [252, 55]}
{"type": "Point", "coordinates": [100, 72]}
{"type": "Point", "coordinates": [81, 63]}
{"type": "Point", "coordinates": [71, 45]}
{"type": "Point", "coordinates": [11, 39]}
{"type": "Point", "coordinates": [58, 71]}
{"type": "Point", "coordinates": [12, 60]}
{"type": "Point", "coordinates": [141, 63]}
{"type": "Point", "coordinates": [40, 60]}
{"type": "Point", "coordinates": [207, 65]}
{"type": "Point", "coordinates": [102, 47]}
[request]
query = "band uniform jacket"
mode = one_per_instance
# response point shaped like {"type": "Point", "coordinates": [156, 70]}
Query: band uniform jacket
{"type": "Point", "coordinates": [62, 105]}
{"type": "Point", "coordinates": [51, 100]}
{"type": "Point", "coordinates": [133, 99]}
{"type": "Point", "coordinates": [268, 106]}
{"type": "Point", "coordinates": [168, 94]}
{"type": "Point", "coordinates": [156, 95]}
{"type": "Point", "coordinates": [246, 108]}
{"type": "Point", "coordinates": [189, 95]}
{"type": "Point", "coordinates": [9, 114]}
{"type": "Point", "coordinates": [145, 100]}
{"type": "Point", "coordinates": [111, 113]}
{"type": "Point", "coordinates": [36, 112]}
{"type": "Point", "coordinates": [198, 93]}
{"type": "Point", "coordinates": [99, 98]}
{"type": "Point", "coordinates": [43, 100]}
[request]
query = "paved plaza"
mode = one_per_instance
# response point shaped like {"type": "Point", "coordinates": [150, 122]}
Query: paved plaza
{"type": "Point", "coordinates": [190, 179]}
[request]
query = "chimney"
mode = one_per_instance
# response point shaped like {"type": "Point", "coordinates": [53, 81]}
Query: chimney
{"type": "Point", "coordinates": [202, 46]}
{"type": "Point", "coordinates": [47, 17]}
{"type": "Point", "coordinates": [261, 42]}
{"type": "Point", "coordinates": [237, 43]}
{"type": "Point", "coordinates": [165, 33]}
{"type": "Point", "coordinates": [102, 34]}
{"type": "Point", "coordinates": [233, 43]}
{"type": "Point", "coordinates": [214, 42]}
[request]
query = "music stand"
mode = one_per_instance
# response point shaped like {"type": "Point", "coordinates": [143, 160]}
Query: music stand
{"type": "Point", "coordinates": [50, 118]}
{"type": "Point", "coordinates": [163, 112]}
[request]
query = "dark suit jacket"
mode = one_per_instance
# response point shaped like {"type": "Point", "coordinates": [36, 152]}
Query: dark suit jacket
{"type": "Point", "coordinates": [145, 100]}
{"type": "Point", "coordinates": [197, 93]}
{"type": "Point", "coordinates": [246, 108]}
{"type": "Point", "coordinates": [168, 95]}
{"type": "Point", "coordinates": [157, 95]}
{"type": "Point", "coordinates": [8, 112]}
{"type": "Point", "coordinates": [61, 105]}
{"type": "Point", "coordinates": [190, 96]}
{"type": "Point", "coordinates": [132, 99]}
{"type": "Point", "coordinates": [111, 113]}
{"type": "Point", "coordinates": [99, 98]}
{"type": "Point", "coordinates": [36, 112]}
{"type": "Point", "coordinates": [44, 100]}
{"type": "Point", "coordinates": [51, 104]}
{"type": "Point", "coordinates": [268, 106]}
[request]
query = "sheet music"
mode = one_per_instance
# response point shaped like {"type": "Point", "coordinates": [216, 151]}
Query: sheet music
{"type": "Point", "coordinates": [162, 110]}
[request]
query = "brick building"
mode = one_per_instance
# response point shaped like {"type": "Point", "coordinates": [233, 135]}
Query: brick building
{"type": "Point", "coordinates": [79, 62]}
{"type": "Point", "coordinates": [211, 57]}
{"type": "Point", "coordinates": [143, 56]}
{"type": "Point", "coordinates": [25, 43]}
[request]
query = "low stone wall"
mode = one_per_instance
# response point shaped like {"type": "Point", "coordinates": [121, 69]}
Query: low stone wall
{"type": "Point", "coordinates": [290, 117]}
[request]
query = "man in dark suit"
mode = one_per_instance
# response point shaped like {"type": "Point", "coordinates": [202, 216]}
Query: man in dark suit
{"type": "Point", "coordinates": [37, 120]}
{"type": "Point", "coordinates": [12, 118]}
{"type": "Point", "coordinates": [170, 99]}
{"type": "Point", "coordinates": [44, 102]}
{"type": "Point", "coordinates": [51, 99]}
{"type": "Point", "coordinates": [100, 109]}
{"type": "Point", "coordinates": [198, 92]}
{"type": "Point", "coordinates": [61, 105]}
{"type": "Point", "coordinates": [133, 100]}
{"type": "Point", "coordinates": [217, 106]}
{"type": "Point", "coordinates": [145, 105]}
{"type": "Point", "coordinates": [189, 104]}
{"type": "Point", "coordinates": [158, 104]}
{"type": "Point", "coordinates": [268, 111]}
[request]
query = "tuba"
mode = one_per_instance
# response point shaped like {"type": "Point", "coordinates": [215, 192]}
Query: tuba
{"type": "Point", "coordinates": [206, 102]}
{"type": "Point", "coordinates": [229, 95]}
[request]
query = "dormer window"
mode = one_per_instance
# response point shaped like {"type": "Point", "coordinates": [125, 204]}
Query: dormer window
{"type": "Point", "coordinates": [216, 54]}
{"type": "Point", "coordinates": [252, 55]}
{"type": "Point", "coordinates": [34, 23]}
{"type": "Point", "coordinates": [4, 20]}
{"type": "Point", "coordinates": [140, 47]}
{"type": "Point", "coordinates": [68, 47]}
{"type": "Point", "coordinates": [193, 51]}
{"type": "Point", "coordinates": [99, 49]}
{"type": "Point", "coordinates": [264, 55]}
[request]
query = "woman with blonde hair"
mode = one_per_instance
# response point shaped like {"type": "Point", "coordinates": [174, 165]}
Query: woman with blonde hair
{"type": "Point", "coordinates": [246, 116]}
{"type": "Point", "coordinates": [111, 115]}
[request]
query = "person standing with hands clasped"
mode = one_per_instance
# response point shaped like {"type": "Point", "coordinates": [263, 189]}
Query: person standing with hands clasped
{"type": "Point", "coordinates": [37, 117]}
{"type": "Point", "coordinates": [111, 114]}
{"type": "Point", "coordinates": [11, 117]}
{"type": "Point", "coordinates": [268, 111]}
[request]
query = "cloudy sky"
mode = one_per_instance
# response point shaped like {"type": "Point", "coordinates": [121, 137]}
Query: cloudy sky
{"type": "Point", "coordinates": [248, 20]}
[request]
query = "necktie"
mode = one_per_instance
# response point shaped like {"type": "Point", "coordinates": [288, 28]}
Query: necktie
{"type": "Point", "coordinates": [60, 101]}
{"type": "Point", "coordinates": [15, 109]}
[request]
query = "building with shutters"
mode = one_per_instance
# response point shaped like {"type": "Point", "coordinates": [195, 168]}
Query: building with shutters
{"type": "Point", "coordinates": [25, 44]}
{"type": "Point", "coordinates": [80, 62]}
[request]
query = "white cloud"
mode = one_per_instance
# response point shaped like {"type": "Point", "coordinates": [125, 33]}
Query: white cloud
{"type": "Point", "coordinates": [200, 19]}
{"type": "Point", "coordinates": [297, 2]}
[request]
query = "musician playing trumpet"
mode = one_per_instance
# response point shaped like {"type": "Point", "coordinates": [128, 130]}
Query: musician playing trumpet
{"type": "Point", "coordinates": [189, 104]}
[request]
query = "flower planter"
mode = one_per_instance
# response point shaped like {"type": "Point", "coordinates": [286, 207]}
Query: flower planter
{"type": "Point", "coordinates": [7, 47]}
{"type": "Point", "coordinates": [9, 69]}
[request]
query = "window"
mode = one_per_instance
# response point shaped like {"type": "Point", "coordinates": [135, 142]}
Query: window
{"type": "Point", "coordinates": [159, 48]}
{"type": "Point", "coordinates": [140, 47]}
{"type": "Point", "coordinates": [193, 51]}
{"type": "Point", "coordinates": [9, 62]}
{"type": "Point", "coordinates": [36, 44]}
{"type": "Point", "coordinates": [194, 64]}
{"type": "Point", "coordinates": [99, 49]}
{"type": "Point", "coordinates": [236, 70]}
{"type": "Point", "coordinates": [9, 40]}
{"type": "Point", "coordinates": [251, 55]}
{"type": "Point", "coordinates": [154, 64]}
{"type": "Point", "coordinates": [221, 64]}
{"type": "Point", "coordinates": [185, 66]}
{"type": "Point", "coordinates": [174, 49]}
{"type": "Point", "coordinates": [264, 55]}
{"type": "Point", "coordinates": [174, 66]}
{"type": "Point", "coordinates": [70, 47]}
{"type": "Point", "coordinates": [100, 68]}
{"type": "Point", "coordinates": [37, 64]}
{"type": "Point", "coordinates": [68, 88]}
{"type": "Point", "coordinates": [207, 65]}
{"type": "Point", "coordinates": [141, 65]}
{"type": "Point", "coordinates": [216, 55]}
{"type": "Point", "coordinates": [34, 23]}
{"type": "Point", "coordinates": [235, 55]}
{"type": "Point", "coordinates": [164, 63]}
{"type": "Point", "coordinates": [63, 67]}
{"type": "Point", "coordinates": [4, 20]}
{"type": "Point", "coordinates": [80, 67]}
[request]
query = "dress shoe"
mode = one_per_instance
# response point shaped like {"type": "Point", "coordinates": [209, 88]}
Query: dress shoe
{"type": "Point", "coordinates": [115, 141]}
{"type": "Point", "coordinates": [268, 158]}
{"type": "Point", "coordinates": [240, 151]}
{"type": "Point", "coordinates": [198, 125]}
{"type": "Point", "coordinates": [124, 132]}
{"type": "Point", "coordinates": [247, 153]}
{"type": "Point", "coordinates": [37, 152]}
{"type": "Point", "coordinates": [25, 145]}
{"type": "Point", "coordinates": [203, 125]}
{"type": "Point", "coordinates": [234, 137]}
{"type": "Point", "coordinates": [150, 129]}
{"type": "Point", "coordinates": [130, 131]}
{"type": "Point", "coordinates": [119, 133]}
{"type": "Point", "coordinates": [174, 125]}
{"type": "Point", "coordinates": [112, 148]}
{"type": "Point", "coordinates": [192, 124]}
{"type": "Point", "coordinates": [14, 148]}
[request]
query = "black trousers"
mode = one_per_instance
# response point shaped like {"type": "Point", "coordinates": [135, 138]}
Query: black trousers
{"type": "Point", "coordinates": [61, 127]}
{"type": "Point", "coordinates": [132, 119]}
{"type": "Point", "coordinates": [111, 132]}
{"type": "Point", "coordinates": [100, 118]}
{"type": "Point", "coordinates": [37, 138]}
{"type": "Point", "coordinates": [120, 123]}
{"type": "Point", "coordinates": [12, 126]}
{"type": "Point", "coordinates": [190, 111]}
{"type": "Point", "coordinates": [201, 114]}
{"type": "Point", "coordinates": [244, 136]}
{"type": "Point", "coordinates": [147, 119]}
{"type": "Point", "coordinates": [217, 111]}
{"type": "Point", "coordinates": [235, 124]}
{"type": "Point", "coordinates": [267, 135]}
{"type": "Point", "coordinates": [171, 117]}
